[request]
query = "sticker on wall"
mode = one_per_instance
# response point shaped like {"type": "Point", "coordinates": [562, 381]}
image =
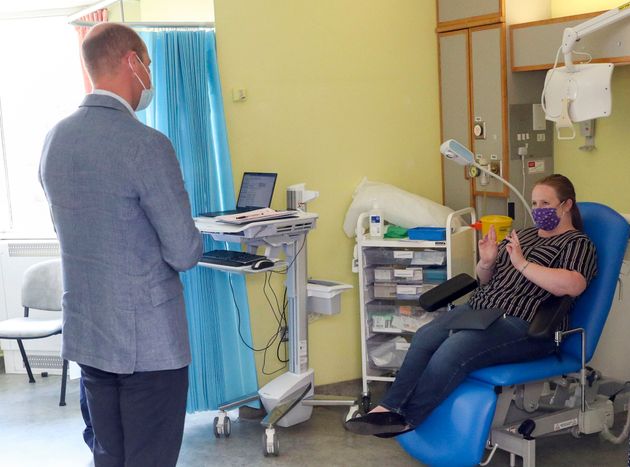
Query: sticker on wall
{"type": "Point", "coordinates": [535, 167]}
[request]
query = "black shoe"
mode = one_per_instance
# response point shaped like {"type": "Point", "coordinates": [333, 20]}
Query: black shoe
{"type": "Point", "coordinates": [392, 435]}
{"type": "Point", "coordinates": [377, 423]}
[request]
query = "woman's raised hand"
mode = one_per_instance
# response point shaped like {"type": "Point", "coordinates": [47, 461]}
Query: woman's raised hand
{"type": "Point", "coordinates": [488, 249]}
{"type": "Point", "coordinates": [513, 248]}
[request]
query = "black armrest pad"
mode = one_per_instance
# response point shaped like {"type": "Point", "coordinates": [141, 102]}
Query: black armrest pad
{"type": "Point", "coordinates": [448, 291]}
{"type": "Point", "coordinates": [549, 316]}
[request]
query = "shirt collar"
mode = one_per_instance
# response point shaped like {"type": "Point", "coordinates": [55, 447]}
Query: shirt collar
{"type": "Point", "coordinates": [103, 92]}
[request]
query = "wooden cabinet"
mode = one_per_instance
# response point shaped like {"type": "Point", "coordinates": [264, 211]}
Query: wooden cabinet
{"type": "Point", "coordinates": [476, 89]}
{"type": "Point", "coordinates": [473, 94]}
{"type": "Point", "coordinates": [457, 14]}
{"type": "Point", "coordinates": [534, 44]}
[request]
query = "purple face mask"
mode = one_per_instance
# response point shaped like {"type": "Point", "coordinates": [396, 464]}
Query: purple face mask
{"type": "Point", "coordinates": [546, 218]}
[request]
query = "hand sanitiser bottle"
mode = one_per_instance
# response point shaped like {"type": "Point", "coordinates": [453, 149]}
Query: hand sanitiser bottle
{"type": "Point", "coordinates": [376, 223]}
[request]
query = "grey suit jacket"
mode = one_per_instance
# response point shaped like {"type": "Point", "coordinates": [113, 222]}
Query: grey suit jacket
{"type": "Point", "coordinates": [124, 224]}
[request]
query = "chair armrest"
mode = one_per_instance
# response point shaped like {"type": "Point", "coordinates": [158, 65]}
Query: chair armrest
{"type": "Point", "coordinates": [549, 316]}
{"type": "Point", "coordinates": [447, 292]}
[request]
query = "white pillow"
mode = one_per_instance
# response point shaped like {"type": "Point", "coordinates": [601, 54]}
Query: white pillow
{"type": "Point", "coordinates": [398, 207]}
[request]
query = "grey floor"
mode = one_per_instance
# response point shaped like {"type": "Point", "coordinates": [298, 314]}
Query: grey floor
{"type": "Point", "coordinates": [36, 432]}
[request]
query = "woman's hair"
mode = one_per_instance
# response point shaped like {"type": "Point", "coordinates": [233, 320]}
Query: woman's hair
{"type": "Point", "coordinates": [564, 191]}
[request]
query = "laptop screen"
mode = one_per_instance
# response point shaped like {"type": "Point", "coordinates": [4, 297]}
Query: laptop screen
{"type": "Point", "coordinates": [256, 190]}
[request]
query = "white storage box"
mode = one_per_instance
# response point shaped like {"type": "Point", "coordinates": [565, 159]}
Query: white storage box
{"type": "Point", "coordinates": [401, 274]}
{"type": "Point", "coordinates": [384, 290]}
{"type": "Point", "coordinates": [324, 296]}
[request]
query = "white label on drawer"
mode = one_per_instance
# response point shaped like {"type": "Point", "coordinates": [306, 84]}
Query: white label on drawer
{"type": "Point", "coordinates": [405, 273]}
{"type": "Point", "coordinates": [403, 254]}
{"type": "Point", "coordinates": [402, 345]}
{"type": "Point", "coordinates": [382, 274]}
{"type": "Point", "coordinates": [406, 290]}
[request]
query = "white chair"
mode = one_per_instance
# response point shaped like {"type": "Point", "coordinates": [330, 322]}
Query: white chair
{"type": "Point", "coordinates": [41, 290]}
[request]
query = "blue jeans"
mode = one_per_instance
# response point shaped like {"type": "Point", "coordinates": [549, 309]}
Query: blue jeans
{"type": "Point", "coordinates": [437, 362]}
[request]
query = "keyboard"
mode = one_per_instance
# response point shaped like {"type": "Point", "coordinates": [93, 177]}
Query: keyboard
{"type": "Point", "coordinates": [230, 258]}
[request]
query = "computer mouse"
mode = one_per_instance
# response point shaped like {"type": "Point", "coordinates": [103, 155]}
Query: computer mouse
{"type": "Point", "coordinates": [262, 264]}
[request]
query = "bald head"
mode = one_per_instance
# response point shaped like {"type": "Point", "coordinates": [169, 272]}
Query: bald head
{"type": "Point", "coordinates": [105, 45]}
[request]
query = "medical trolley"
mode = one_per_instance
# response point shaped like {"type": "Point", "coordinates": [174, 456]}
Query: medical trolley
{"type": "Point", "coordinates": [393, 273]}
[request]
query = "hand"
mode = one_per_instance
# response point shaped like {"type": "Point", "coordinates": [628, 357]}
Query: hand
{"type": "Point", "coordinates": [513, 248]}
{"type": "Point", "coordinates": [488, 249]}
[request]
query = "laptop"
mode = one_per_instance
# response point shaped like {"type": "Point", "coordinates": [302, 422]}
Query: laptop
{"type": "Point", "coordinates": [255, 193]}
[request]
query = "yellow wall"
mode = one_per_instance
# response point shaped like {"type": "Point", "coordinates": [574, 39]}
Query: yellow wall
{"type": "Point", "coordinates": [174, 11]}
{"type": "Point", "coordinates": [600, 175]}
{"type": "Point", "coordinates": [338, 90]}
{"type": "Point", "coordinates": [577, 7]}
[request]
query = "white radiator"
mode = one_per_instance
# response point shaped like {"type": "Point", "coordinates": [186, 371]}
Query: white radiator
{"type": "Point", "coordinates": [15, 257]}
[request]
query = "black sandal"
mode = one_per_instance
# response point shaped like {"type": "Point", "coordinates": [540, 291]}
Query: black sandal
{"type": "Point", "coordinates": [377, 423]}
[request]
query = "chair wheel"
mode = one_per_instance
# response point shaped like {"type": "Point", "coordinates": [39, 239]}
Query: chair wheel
{"type": "Point", "coordinates": [527, 428]}
{"type": "Point", "coordinates": [227, 427]}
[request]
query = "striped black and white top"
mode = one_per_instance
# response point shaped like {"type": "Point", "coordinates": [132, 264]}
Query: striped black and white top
{"type": "Point", "coordinates": [509, 290]}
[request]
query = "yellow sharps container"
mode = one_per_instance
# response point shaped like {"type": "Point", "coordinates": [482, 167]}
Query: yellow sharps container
{"type": "Point", "coordinates": [502, 225]}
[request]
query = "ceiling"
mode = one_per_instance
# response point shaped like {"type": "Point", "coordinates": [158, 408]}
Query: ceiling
{"type": "Point", "coordinates": [30, 5]}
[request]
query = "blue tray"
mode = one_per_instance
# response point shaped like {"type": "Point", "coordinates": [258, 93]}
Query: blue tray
{"type": "Point", "coordinates": [427, 233]}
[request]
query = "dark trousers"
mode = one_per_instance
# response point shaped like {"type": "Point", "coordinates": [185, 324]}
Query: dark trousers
{"type": "Point", "coordinates": [88, 432]}
{"type": "Point", "coordinates": [138, 419]}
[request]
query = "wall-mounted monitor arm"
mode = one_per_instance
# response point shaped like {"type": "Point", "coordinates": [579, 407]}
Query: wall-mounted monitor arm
{"type": "Point", "coordinates": [574, 34]}
{"type": "Point", "coordinates": [457, 152]}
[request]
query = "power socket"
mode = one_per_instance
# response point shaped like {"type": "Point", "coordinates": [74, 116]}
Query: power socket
{"type": "Point", "coordinates": [284, 334]}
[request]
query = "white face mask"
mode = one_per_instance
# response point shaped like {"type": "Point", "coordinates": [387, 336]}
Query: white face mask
{"type": "Point", "coordinates": [147, 93]}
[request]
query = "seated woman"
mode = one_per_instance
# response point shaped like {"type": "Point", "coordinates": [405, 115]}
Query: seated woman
{"type": "Point", "coordinates": [516, 276]}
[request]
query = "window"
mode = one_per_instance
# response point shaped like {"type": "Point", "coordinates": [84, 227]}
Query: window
{"type": "Point", "coordinates": [40, 83]}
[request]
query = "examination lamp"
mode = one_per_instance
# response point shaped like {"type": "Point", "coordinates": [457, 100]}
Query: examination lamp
{"type": "Point", "coordinates": [459, 153]}
{"type": "Point", "coordinates": [576, 93]}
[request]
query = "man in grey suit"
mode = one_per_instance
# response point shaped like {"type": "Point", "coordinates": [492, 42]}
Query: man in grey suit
{"type": "Point", "coordinates": [124, 224]}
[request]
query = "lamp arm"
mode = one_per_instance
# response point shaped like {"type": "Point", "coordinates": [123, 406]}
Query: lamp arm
{"type": "Point", "coordinates": [512, 187]}
{"type": "Point", "coordinates": [573, 34]}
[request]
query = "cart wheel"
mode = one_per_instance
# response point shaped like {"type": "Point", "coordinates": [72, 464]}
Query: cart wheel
{"type": "Point", "coordinates": [227, 427]}
{"type": "Point", "coordinates": [365, 403]}
{"type": "Point", "coordinates": [271, 444]}
{"type": "Point", "coordinates": [353, 412]}
{"type": "Point", "coordinates": [217, 430]}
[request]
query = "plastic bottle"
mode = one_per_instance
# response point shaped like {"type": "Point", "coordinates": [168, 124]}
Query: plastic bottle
{"type": "Point", "coordinates": [377, 226]}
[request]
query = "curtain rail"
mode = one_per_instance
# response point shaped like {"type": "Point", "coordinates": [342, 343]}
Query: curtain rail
{"type": "Point", "coordinates": [149, 25]}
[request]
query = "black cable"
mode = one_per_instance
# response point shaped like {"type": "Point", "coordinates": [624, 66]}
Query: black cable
{"type": "Point", "coordinates": [285, 271]}
{"type": "Point", "coordinates": [267, 283]}
{"type": "Point", "coordinates": [238, 314]}
{"type": "Point", "coordinates": [269, 342]}
{"type": "Point", "coordinates": [283, 318]}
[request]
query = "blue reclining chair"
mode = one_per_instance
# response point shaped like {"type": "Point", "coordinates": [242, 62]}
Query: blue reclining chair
{"type": "Point", "coordinates": [456, 432]}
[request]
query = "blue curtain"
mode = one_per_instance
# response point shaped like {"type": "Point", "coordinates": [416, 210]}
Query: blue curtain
{"type": "Point", "coordinates": [188, 108]}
